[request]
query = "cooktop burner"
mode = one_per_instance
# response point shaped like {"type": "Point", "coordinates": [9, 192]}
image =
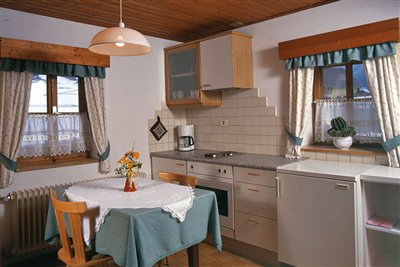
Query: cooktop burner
{"type": "Point", "coordinates": [228, 153]}
{"type": "Point", "coordinates": [220, 154]}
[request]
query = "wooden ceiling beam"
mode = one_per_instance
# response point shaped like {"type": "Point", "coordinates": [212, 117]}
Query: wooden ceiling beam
{"type": "Point", "coordinates": [29, 50]}
{"type": "Point", "coordinates": [368, 34]}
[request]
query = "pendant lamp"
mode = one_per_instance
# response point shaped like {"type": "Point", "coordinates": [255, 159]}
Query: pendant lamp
{"type": "Point", "coordinates": [120, 41]}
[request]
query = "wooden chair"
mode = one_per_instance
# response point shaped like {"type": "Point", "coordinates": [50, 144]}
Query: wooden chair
{"type": "Point", "coordinates": [180, 178]}
{"type": "Point", "coordinates": [74, 255]}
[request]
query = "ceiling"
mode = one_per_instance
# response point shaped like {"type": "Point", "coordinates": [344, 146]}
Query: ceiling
{"type": "Point", "coordinates": [179, 20]}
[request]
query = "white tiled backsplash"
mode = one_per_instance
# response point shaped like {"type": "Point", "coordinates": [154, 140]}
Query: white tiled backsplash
{"type": "Point", "coordinates": [252, 127]}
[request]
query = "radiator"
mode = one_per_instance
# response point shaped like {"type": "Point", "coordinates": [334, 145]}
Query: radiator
{"type": "Point", "coordinates": [29, 220]}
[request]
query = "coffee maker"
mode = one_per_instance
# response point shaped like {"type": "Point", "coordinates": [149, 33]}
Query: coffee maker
{"type": "Point", "coordinates": [185, 137]}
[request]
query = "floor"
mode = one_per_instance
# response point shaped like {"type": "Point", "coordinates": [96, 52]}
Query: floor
{"type": "Point", "coordinates": [209, 257]}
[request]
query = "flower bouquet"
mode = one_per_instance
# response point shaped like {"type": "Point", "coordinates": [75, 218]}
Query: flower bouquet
{"type": "Point", "coordinates": [129, 167]}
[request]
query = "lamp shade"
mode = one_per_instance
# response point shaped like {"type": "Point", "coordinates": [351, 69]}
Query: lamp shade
{"type": "Point", "coordinates": [119, 41]}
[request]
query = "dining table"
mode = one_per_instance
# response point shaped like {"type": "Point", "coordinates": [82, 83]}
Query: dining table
{"type": "Point", "coordinates": [140, 228]}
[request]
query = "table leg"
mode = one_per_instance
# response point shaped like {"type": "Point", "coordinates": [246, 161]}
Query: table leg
{"type": "Point", "coordinates": [193, 256]}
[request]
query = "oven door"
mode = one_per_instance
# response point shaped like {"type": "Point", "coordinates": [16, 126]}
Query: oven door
{"type": "Point", "coordinates": [224, 192]}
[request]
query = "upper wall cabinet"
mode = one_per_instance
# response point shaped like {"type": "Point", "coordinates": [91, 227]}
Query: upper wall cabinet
{"type": "Point", "coordinates": [227, 62]}
{"type": "Point", "coordinates": [194, 69]}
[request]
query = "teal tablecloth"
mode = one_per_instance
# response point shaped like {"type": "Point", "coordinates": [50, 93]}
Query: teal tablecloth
{"type": "Point", "coordinates": [141, 237]}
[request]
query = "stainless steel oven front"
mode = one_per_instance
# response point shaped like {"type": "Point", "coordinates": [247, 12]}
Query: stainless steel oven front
{"type": "Point", "coordinates": [219, 179]}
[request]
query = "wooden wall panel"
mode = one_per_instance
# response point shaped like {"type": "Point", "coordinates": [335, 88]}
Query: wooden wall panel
{"type": "Point", "coordinates": [29, 50]}
{"type": "Point", "coordinates": [373, 33]}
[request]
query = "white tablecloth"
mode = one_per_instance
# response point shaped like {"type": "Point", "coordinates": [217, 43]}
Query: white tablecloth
{"type": "Point", "coordinates": [103, 195]}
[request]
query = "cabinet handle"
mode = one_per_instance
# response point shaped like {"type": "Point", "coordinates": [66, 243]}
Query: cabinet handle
{"type": "Point", "coordinates": [254, 221]}
{"type": "Point", "coordinates": [206, 85]}
{"type": "Point", "coordinates": [278, 187]}
{"type": "Point", "coordinates": [180, 164]}
{"type": "Point", "coordinates": [254, 190]}
{"type": "Point", "coordinates": [342, 186]}
{"type": "Point", "coordinates": [253, 174]}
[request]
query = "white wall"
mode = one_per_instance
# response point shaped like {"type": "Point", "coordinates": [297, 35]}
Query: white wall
{"type": "Point", "coordinates": [269, 72]}
{"type": "Point", "coordinates": [134, 90]}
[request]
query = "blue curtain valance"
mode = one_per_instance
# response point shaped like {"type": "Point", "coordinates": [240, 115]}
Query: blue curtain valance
{"type": "Point", "coordinates": [42, 67]}
{"type": "Point", "coordinates": [342, 56]}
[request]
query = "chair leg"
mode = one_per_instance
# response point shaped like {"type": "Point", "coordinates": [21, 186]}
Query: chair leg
{"type": "Point", "coordinates": [161, 262]}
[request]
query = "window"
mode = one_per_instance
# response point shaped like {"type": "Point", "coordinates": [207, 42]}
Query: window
{"type": "Point", "coordinates": [57, 131]}
{"type": "Point", "coordinates": [344, 82]}
{"type": "Point", "coordinates": [55, 94]}
{"type": "Point", "coordinates": [342, 90]}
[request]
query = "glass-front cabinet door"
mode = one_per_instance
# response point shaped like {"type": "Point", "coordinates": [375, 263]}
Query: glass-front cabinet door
{"type": "Point", "coordinates": [182, 75]}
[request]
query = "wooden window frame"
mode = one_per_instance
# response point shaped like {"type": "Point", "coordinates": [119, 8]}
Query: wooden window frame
{"type": "Point", "coordinates": [318, 94]}
{"type": "Point", "coordinates": [75, 158]}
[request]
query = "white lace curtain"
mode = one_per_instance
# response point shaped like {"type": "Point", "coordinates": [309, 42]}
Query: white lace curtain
{"type": "Point", "coordinates": [359, 113]}
{"type": "Point", "coordinates": [54, 134]}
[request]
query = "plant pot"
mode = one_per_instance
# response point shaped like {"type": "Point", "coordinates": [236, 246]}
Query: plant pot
{"type": "Point", "coordinates": [343, 142]}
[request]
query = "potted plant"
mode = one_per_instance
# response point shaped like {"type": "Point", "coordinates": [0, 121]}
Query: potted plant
{"type": "Point", "coordinates": [342, 133]}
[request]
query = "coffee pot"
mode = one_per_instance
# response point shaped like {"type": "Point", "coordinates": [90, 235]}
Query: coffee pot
{"type": "Point", "coordinates": [186, 137]}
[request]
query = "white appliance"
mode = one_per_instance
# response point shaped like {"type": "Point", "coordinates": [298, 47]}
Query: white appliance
{"type": "Point", "coordinates": [186, 138]}
{"type": "Point", "coordinates": [217, 178]}
{"type": "Point", "coordinates": [319, 212]}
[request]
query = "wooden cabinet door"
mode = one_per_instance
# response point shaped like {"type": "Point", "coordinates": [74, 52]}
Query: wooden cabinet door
{"type": "Point", "coordinates": [316, 221]}
{"type": "Point", "coordinates": [255, 199]}
{"type": "Point", "coordinates": [255, 230]}
{"type": "Point", "coordinates": [216, 63]}
{"type": "Point", "coordinates": [182, 74]}
{"type": "Point", "coordinates": [167, 165]}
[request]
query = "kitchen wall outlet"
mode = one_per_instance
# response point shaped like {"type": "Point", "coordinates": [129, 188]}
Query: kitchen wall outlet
{"type": "Point", "coordinates": [224, 122]}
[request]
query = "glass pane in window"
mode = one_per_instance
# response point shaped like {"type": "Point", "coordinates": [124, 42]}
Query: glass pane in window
{"type": "Point", "coordinates": [67, 94]}
{"type": "Point", "coordinates": [334, 82]}
{"type": "Point", "coordinates": [38, 99]}
{"type": "Point", "coordinates": [360, 83]}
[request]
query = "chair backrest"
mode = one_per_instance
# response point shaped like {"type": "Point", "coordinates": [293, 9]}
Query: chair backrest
{"type": "Point", "coordinates": [180, 178]}
{"type": "Point", "coordinates": [74, 210]}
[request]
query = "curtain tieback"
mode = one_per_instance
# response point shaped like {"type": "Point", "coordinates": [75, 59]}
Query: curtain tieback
{"type": "Point", "coordinates": [103, 156]}
{"type": "Point", "coordinates": [294, 139]}
{"type": "Point", "coordinates": [391, 144]}
{"type": "Point", "coordinates": [8, 163]}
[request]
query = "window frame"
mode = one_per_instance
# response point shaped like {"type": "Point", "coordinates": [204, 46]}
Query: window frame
{"type": "Point", "coordinates": [318, 93]}
{"type": "Point", "coordinates": [75, 158]}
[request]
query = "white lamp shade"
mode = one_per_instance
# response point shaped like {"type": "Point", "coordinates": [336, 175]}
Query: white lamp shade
{"type": "Point", "coordinates": [129, 41]}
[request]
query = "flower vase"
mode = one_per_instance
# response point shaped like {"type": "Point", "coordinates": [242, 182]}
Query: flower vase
{"type": "Point", "coordinates": [129, 184]}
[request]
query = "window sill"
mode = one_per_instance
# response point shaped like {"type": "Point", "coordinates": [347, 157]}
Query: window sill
{"type": "Point", "coordinates": [354, 150]}
{"type": "Point", "coordinates": [31, 166]}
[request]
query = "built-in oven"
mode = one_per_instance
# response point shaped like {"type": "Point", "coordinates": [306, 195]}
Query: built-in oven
{"type": "Point", "coordinates": [219, 179]}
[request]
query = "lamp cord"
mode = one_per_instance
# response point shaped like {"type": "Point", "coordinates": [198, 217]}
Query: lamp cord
{"type": "Point", "coordinates": [120, 10]}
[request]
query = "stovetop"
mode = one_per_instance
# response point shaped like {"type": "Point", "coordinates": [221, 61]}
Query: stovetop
{"type": "Point", "coordinates": [221, 154]}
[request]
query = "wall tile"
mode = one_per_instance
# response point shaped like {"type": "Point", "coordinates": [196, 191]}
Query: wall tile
{"type": "Point", "coordinates": [344, 158]}
{"type": "Point", "coordinates": [369, 160]}
{"type": "Point", "coordinates": [356, 158]}
{"type": "Point", "coordinates": [320, 156]}
{"type": "Point", "coordinates": [253, 128]}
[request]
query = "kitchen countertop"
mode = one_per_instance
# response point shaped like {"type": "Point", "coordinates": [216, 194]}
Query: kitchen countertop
{"type": "Point", "coordinates": [247, 160]}
{"type": "Point", "coordinates": [382, 174]}
{"type": "Point", "coordinates": [344, 171]}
